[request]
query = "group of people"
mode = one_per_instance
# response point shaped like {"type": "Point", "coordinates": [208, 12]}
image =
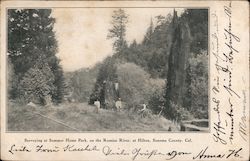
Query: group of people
{"type": "Point", "coordinates": [118, 105]}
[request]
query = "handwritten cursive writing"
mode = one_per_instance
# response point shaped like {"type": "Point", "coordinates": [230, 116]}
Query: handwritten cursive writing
{"type": "Point", "coordinates": [204, 154]}
{"type": "Point", "coordinates": [243, 121]}
{"type": "Point", "coordinates": [72, 148]}
{"type": "Point", "coordinates": [106, 150]}
{"type": "Point", "coordinates": [150, 153]}
{"type": "Point", "coordinates": [219, 129]}
{"type": "Point", "coordinates": [13, 149]}
{"type": "Point", "coordinates": [230, 114]}
{"type": "Point", "coordinates": [41, 148]}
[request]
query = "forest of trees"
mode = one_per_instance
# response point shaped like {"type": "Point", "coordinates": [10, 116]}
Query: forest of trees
{"type": "Point", "coordinates": [144, 70]}
{"type": "Point", "coordinates": [167, 71]}
{"type": "Point", "coordinates": [34, 70]}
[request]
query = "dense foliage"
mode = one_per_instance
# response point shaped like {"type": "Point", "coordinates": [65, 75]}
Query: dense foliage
{"type": "Point", "coordinates": [136, 86]}
{"type": "Point", "coordinates": [142, 69]}
{"type": "Point", "coordinates": [37, 84]}
{"type": "Point", "coordinates": [196, 96]}
{"type": "Point", "coordinates": [139, 63]}
{"type": "Point", "coordinates": [81, 83]}
{"type": "Point", "coordinates": [31, 40]}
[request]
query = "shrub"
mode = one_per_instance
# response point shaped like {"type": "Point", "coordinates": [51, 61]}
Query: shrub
{"type": "Point", "coordinates": [157, 101]}
{"type": "Point", "coordinates": [135, 84]}
{"type": "Point", "coordinates": [196, 95]}
{"type": "Point", "coordinates": [37, 84]}
{"type": "Point", "coordinates": [176, 112]}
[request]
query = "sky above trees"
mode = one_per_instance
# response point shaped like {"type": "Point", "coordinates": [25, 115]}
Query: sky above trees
{"type": "Point", "coordinates": [82, 32]}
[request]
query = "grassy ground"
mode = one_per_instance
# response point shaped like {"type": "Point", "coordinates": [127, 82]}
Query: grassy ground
{"type": "Point", "coordinates": [80, 117]}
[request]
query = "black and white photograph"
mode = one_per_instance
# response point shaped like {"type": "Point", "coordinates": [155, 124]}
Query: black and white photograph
{"type": "Point", "coordinates": [107, 69]}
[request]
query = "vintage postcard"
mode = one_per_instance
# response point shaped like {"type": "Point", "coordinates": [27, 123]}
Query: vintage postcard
{"type": "Point", "coordinates": [125, 80]}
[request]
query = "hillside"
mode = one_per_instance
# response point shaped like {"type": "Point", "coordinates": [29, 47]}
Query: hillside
{"type": "Point", "coordinates": [81, 117]}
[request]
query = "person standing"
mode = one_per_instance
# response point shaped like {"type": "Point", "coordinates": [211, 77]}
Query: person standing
{"type": "Point", "coordinates": [97, 106]}
{"type": "Point", "coordinates": [118, 104]}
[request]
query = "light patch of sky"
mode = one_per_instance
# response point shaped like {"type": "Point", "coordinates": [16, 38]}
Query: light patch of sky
{"type": "Point", "coordinates": [82, 32]}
